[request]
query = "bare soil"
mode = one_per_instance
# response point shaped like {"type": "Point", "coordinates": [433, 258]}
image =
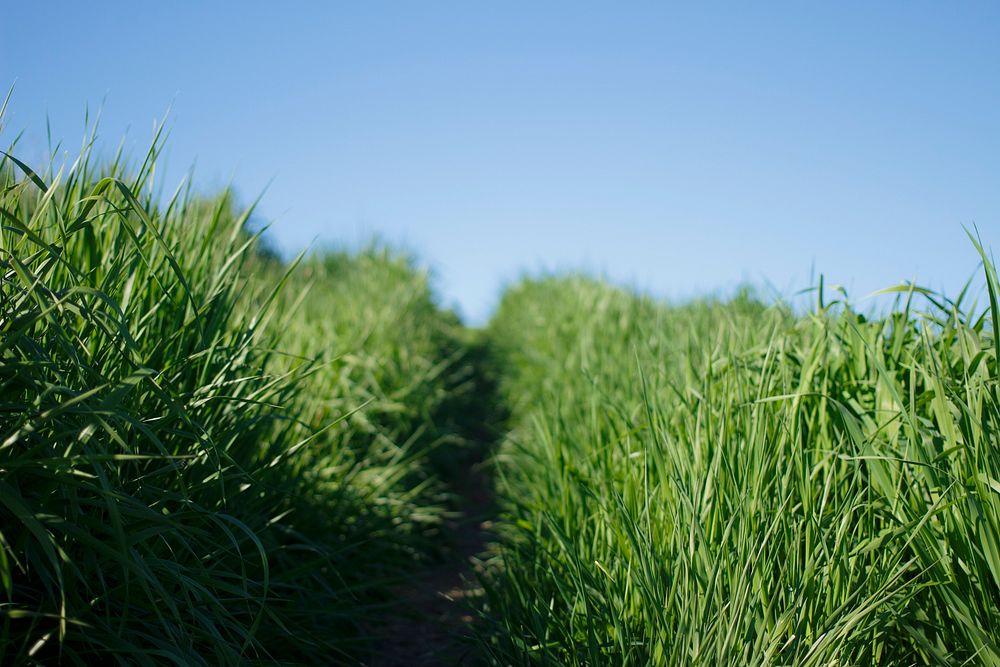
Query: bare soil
{"type": "Point", "coordinates": [436, 622]}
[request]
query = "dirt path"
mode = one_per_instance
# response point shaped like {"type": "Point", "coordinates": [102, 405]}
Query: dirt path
{"type": "Point", "coordinates": [434, 628]}
{"type": "Point", "coordinates": [435, 618]}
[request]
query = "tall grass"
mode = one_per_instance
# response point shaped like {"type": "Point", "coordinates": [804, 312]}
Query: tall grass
{"type": "Point", "coordinates": [211, 456]}
{"type": "Point", "coordinates": [729, 484]}
{"type": "Point", "coordinates": [206, 456]}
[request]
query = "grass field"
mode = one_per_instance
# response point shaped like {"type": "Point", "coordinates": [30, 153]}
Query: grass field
{"type": "Point", "coordinates": [731, 484]}
{"type": "Point", "coordinates": [210, 455]}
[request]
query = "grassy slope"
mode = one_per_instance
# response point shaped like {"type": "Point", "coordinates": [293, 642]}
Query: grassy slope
{"type": "Point", "coordinates": [197, 463]}
{"type": "Point", "coordinates": [726, 484]}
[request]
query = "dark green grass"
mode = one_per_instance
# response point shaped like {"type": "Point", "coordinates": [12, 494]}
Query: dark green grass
{"type": "Point", "coordinates": [206, 456]}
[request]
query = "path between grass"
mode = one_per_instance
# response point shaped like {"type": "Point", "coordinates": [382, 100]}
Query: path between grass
{"type": "Point", "coordinates": [437, 618]}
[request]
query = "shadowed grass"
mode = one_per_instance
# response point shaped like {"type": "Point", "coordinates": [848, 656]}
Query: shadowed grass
{"type": "Point", "coordinates": [201, 460]}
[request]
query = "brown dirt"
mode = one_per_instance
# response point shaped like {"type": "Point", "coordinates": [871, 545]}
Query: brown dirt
{"type": "Point", "coordinates": [437, 620]}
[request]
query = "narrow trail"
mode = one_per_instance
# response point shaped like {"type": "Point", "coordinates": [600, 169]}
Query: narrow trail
{"type": "Point", "coordinates": [437, 620]}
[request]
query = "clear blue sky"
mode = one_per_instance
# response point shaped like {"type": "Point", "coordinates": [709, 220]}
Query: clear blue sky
{"type": "Point", "coordinates": [679, 148]}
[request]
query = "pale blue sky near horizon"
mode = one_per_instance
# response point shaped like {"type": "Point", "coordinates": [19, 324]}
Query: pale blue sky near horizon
{"type": "Point", "coordinates": [680, 148]}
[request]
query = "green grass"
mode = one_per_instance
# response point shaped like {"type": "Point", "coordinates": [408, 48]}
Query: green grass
{"type": "Point", "coordinates": [729, 484]}
{"type": "Point", "coordinates": [206, 456]}
{"type": "Point", "coordinates": [209, 455]}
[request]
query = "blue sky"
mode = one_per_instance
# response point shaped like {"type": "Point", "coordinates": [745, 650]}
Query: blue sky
{"type": "Point", "coordinates": [678, 148]}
